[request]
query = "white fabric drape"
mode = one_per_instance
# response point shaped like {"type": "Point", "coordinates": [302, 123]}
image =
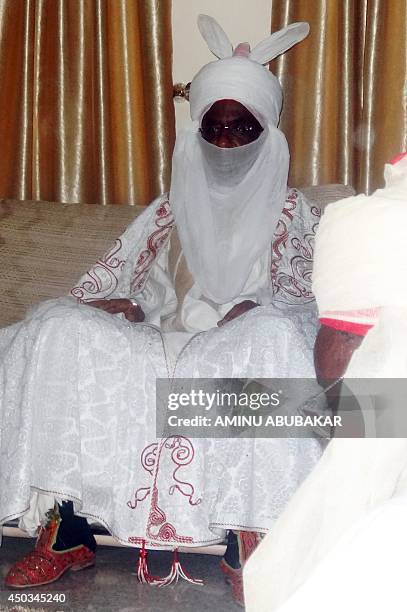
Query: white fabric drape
{"type": "Point", "coordinates": [232, 220]}
{"type": "Point", "coordinates": [229, 200]}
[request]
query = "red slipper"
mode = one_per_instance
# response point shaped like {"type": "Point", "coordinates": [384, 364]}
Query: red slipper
{"type": "Point", "coordinates": [44, 565]}
{"type": "Point", "coordinates": [234, 577]}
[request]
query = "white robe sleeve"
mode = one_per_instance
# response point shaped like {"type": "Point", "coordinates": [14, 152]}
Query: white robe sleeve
{"type": "Point", "coordinates": [112, 275]}
{"type": "Point", "coordinates": [293, 250]}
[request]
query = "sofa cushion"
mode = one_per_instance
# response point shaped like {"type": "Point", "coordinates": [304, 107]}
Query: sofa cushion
{"type": "Point", "coordinates": [45, 248]}
{"type": "Point", "coordinates": [321, 195]}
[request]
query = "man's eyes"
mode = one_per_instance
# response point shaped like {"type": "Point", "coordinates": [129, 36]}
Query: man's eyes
{"type": "Point", "coordinates": [238, 128]}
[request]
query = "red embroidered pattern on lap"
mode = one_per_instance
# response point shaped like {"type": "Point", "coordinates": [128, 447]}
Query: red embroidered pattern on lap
{"type": "Point", "coordinates": [182, 454]}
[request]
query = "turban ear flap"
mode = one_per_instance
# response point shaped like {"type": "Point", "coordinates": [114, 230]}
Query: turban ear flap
{"type": "Point", "coordinates": [215, 37]}
{"type": "Point", "coordinates": [279, 42]}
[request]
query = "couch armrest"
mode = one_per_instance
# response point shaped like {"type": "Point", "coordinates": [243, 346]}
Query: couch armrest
{"type": "Point", "coordinates": [321, 195]}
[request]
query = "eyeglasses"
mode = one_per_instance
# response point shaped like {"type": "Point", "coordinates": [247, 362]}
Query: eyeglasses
{"type": "Point", "coordinates": [238, 129]}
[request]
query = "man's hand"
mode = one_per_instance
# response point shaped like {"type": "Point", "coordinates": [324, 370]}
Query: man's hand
{"type": "Point", "coordinates": [333, 351]}
{"type": "Point", "coordinates": [236, 311]}
{"type": "Point", "coordinates": [132, 313]}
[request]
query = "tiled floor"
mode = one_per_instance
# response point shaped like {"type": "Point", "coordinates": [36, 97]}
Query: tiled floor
{"type": "Point", "coordinates": [111, 585]}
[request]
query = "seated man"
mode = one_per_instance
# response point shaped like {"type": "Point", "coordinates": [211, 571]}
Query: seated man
{"type": "Point", "coordinates": [336, 530]}
{"type": "Point", "coordinates": [78, 384]}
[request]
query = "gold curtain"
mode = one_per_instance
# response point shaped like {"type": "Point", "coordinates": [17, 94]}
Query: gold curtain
{"type": "Point", "coordinates": [345, 110]}
{"type": "Point", "coordinates": [86, 111]}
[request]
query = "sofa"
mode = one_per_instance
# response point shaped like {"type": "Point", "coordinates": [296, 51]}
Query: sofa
{"type": "Point", "coordinates": [46, 246]}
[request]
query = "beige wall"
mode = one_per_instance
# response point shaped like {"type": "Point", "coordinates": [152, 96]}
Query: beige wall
{"type": "Point", "coordinates": [242, 20]}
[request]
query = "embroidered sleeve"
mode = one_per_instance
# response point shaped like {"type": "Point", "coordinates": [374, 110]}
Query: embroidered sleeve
{"type": "Point", "coordinates": [123, 270]}
{"type": "Point", "coordinates": [293, 250]}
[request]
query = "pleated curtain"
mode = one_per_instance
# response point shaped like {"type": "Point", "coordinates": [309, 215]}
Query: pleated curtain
{"type": "Point", "coordinates": [86, 110]}
{"type": "Point", "coordinates": [345, 109]}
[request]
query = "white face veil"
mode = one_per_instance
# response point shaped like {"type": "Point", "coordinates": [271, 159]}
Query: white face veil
{"type": "Point", "coordinates": [227, 202]}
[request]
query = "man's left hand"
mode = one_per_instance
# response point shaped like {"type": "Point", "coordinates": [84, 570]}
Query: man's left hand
{"type": "Point", "coordinates": [132, 312]}
{"type": "Point", "coordinates": [236, 311]}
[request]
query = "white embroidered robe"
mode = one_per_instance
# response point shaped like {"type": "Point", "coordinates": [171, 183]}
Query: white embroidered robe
{"type": "Point", "coordinates": [77, 392]}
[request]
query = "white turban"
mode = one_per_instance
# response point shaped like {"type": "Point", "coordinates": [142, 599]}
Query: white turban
{"type": "Point", "coordinates": [239, 79]}
{"type": "Point", "coordinates": [227, 202]}
{"type": "Point", "coordinates": [359, 259]}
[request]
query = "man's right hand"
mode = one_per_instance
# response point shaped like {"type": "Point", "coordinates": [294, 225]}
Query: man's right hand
{"type": "Point", "coordinates": [132, 313]}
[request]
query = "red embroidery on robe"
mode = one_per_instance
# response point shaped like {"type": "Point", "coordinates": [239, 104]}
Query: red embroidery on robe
{"type": "Point", "coordinates": [293, 251]}
{"type": "Point", "coordinates": [182, 454]}
{"type": "Point", "coordinates": [164, 221]}
{"type": "Point", "coordinates": [104, 274]}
